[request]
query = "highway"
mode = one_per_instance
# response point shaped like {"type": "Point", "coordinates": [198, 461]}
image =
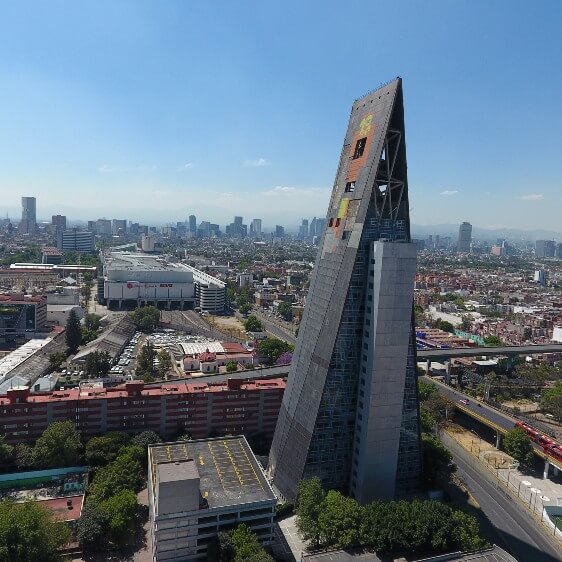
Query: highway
{"type": "Point", "coordinates": [487, 415]}
{"type": "Point", "coordinates": [263, 373]}
{"type": "Point", "coordinates": [437, 354]}
{"type": "Point", "coordinates": [517, 530]}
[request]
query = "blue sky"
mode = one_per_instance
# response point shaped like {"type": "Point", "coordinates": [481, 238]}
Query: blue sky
{"type": "Point", "coordinates": [155, 110]}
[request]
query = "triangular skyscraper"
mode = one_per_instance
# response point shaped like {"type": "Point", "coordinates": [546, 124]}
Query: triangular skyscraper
{"type": "Point", "coordinates": [350, 411]}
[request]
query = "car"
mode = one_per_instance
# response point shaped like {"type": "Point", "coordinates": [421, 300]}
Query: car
{"type": "Point", "coordinates": [464, 401]}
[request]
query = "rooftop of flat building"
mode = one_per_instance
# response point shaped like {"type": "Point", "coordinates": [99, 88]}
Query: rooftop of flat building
{"type": "Point", "coordinates": [228, 471]}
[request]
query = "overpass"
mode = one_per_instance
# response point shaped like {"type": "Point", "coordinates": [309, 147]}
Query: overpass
{"type": "Point", "coordinates": [509, 350]}
{"type": "Point", "coordinates": [491, 417]}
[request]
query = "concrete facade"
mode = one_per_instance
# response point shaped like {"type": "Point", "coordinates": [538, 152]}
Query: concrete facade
{"type": "Point", "coordinates": [199, 488]}
{"type": "Point", "coordinates": [380, 412]}
{"type": "Point", "coordinates": [318, 433]}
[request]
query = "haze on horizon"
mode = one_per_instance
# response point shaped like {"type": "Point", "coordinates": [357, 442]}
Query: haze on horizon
{"type": "Point", "coordinates": [153, 111]}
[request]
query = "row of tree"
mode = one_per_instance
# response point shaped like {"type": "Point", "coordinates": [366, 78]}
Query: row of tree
{"type": "Point", "coordinates": [330, 519]}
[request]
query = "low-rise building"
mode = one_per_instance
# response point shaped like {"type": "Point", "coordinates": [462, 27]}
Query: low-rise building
{"type": "Point", "coordinates": [198, 488]}
{"type": "Point", "coordinates": [201, 409]}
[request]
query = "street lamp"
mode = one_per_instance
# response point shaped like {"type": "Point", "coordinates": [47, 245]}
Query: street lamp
{"type": "Point", "coordinates": [479, 440]}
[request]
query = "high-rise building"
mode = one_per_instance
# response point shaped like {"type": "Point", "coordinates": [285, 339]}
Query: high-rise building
{"type": "Point", "coordinates": [465, 238]}
{"type": "Point", "coordinates": [255, 228]}
{"type": "Point", "coordinates": [303, 229]}
{"type": "Point", "coordinates": [350, 413]}
{"type": "Point", "coordinates": [192, 223]}
{"type": "Point", "coordinates": [58, 222]}
{"type": "Point", "coordinates": [279, 231]}
{"type": "Point", "coordinates": [119, 227]}
{"type": "Point", "coordinates": [28, 223]}
{"type": "Point", "coordinates": [76, 240]}
{"type": "Point", "coordinates": [103, 227]}
{"type": "Point", "coordinates": [237, 229]}
{"type": "Point", "coordinates": [545, 248]}
{"type": "Point", "coordinates": [559, 251]}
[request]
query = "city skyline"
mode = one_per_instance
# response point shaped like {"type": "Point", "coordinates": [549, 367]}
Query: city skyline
{"type": "Point", "coordinates": [150, 136]}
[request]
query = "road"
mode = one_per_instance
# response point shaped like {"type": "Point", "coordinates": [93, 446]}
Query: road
{"type": "Point", "coordinates": [520, 534]}
{"type": "Point", "coordinates": [480, 409]}
{"type": "Point", "coordinates": [263, 373]}
{"type": "Point", "coordinates": [275, 329]}
{"type": "Point", "coordinates": [488, 351]}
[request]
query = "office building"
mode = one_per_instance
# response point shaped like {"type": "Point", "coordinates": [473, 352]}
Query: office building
{"type": "Point", "coordinates": [103, 227]}
{"type": "Point", "coordinates": [303, 229]}
{"type": "Point", "coordinates": [465, 238]}
{"type": "Point", "coordinates": [197, 489]}
{"type": "Point", "coordinates": [119, 227]}
{"type": "Point", "coordinates": [76, 240]}
{"type": "Point", "coordinates": [279, 231]}
{"type": "Point", "coordinates": [28, 223]}
{"type": "Point", "coordinates": [350, 412]}
{"type": "Point", "coordinates": [237, 229]}
{"type": "Point", "coordinates": [545, 249]}
{"type": "Point", "coordinates": [192, 223]}
{"type": "Point", "coordinates": [559, 251]}
{"type": "Point", "coordinates": [59, 223]}
{"type": "Point", "coordinates": [255, 228]}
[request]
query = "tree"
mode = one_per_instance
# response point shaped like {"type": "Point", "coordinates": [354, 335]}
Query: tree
{"type": "Point", "coordinates": [124, 473]}
{"type": "Point", "coordinates": [6, 450]}
{"type": "Point", "coordinates": [56, 360]}
{"type": "Point", "coordinates": [24, 456]}
{"type": "Point", "coordinates": [492, 341]}
{"type": "Point", "coordinates": [286, 311]}
{"type": "Point", "coordinates": [340, 520]}
{"type": "Point", "coordinates": [272, 348]}
{"type": "Point", "coordinates": [231, 367]}
{"type": "Point", "coordinates": [439, 407]}
{"type": "Point", "coordinates": [551, 400]}
{"type": "Point", "coordinates": [425, 389]}
{"type": "Point", "coordinates": [252, 324]}
{"type": "Point", "coordinates": [145, 439]}
{"type": "Point", "coordinates": [92, 322]}
{"type": "Point", "coordinates": [59, 445]}
{"type": "Point", "coordinates": [121, 509]}
{"type": "Point", "coordinates": [518, 445]}
{"type": "Point", "coordinates": [310, 500]}
{"type": "Point", "coordinates": [73, 334]}
{"type": "Point", "coordinates": [445, 326]}
{"type": "Point", "coordinates": [466, 324]}
{"type": "Point", "coordinates": [92, 526]}
{"type": "Point", "coordinates": [145, 363]}
{"type": "Point", "coordinates": [245, 308]}
{"type": "Point", "coordinates": [29, 531]}
{"type": "Point", "coordinates": [437, 461]}
{"type": "Point", "coordinates": [103, 449]}
{"type": "Point", "coordinates": [97, 364]}
{"type": "Point", "coordinates": [164, 362]}
{"type": "Point", "coordinates": [146, 318]}
{"type": "Point", "coordinates": [242, 545]}
{"type": "Point", "coordinates": [466, 532]}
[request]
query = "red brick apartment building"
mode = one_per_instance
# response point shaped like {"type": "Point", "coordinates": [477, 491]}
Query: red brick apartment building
{"type": "Point", "coordinates": [200, 409]}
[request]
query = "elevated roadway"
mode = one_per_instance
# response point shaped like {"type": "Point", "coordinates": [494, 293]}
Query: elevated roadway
{"type": "Point", "coordinates": [497, 420]}
{"type": "Point", "coordinates": [509, 350]}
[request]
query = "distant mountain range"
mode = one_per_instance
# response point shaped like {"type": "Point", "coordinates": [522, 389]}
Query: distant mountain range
{"type": "Point", "coordinates": [422, 231]}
